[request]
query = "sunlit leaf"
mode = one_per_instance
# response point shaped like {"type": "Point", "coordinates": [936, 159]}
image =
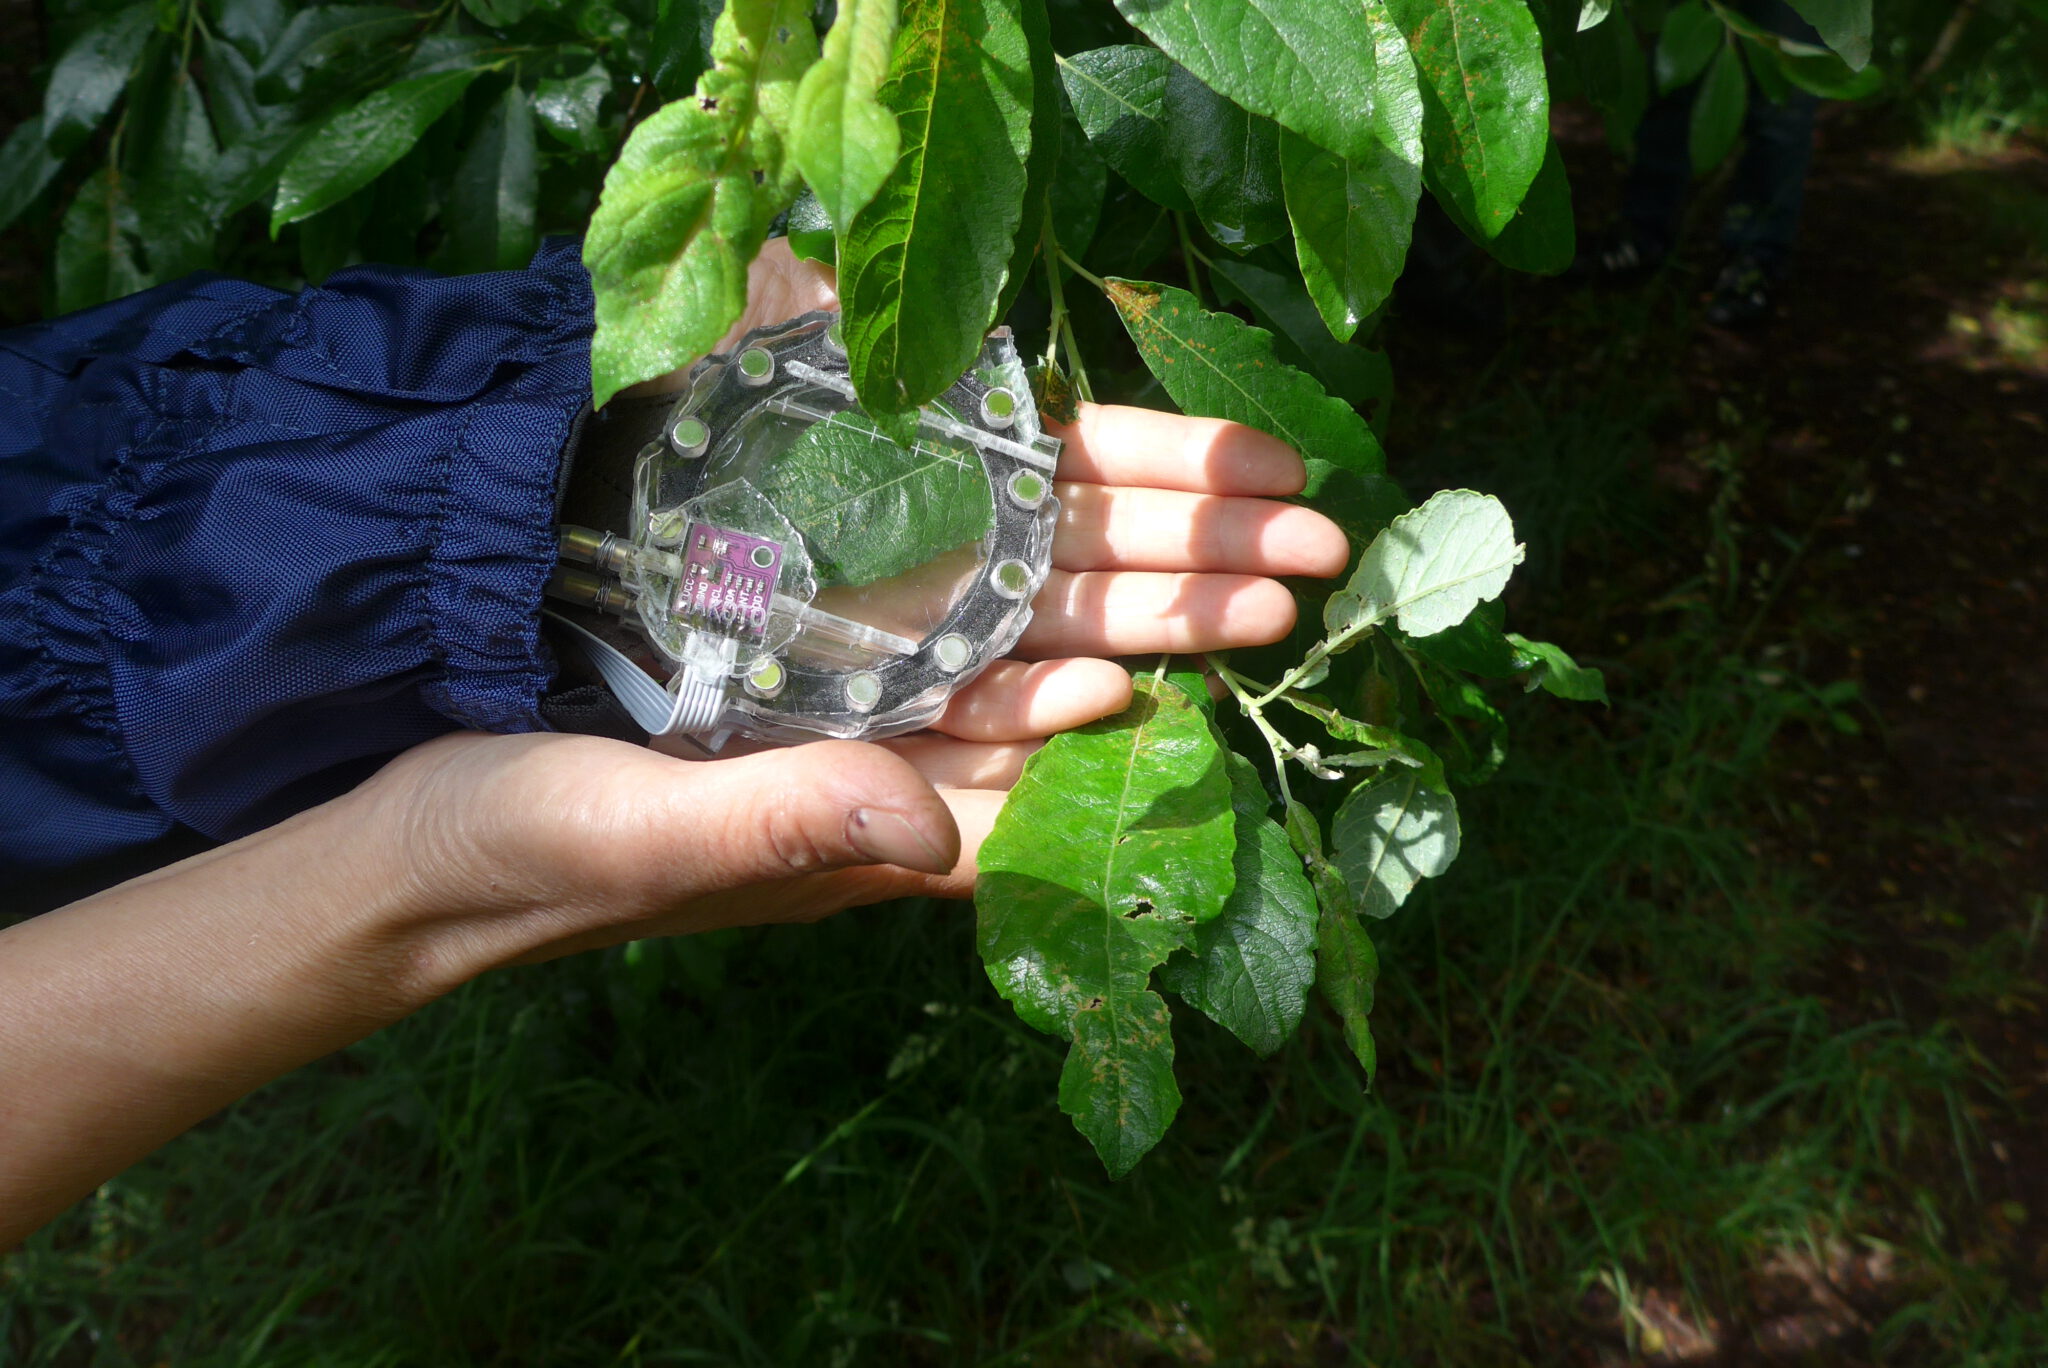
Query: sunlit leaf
{"type": "Point", "coordinates": [1389, 835]}
{"type": "Point", "coordinates": [842, 139]}
{"type": "Point", "coordinates": [1485, 100]}
{"type": "Point", "coordinates": [1221, 367]}
{"type": "Point", "coordinates": [1553, 671]}
{"type": "Point", "coordinates": [1116, 841]}
{"type": "Point", "coordinates": [923, 266]}
{"type": "Point", "coordinates": [1307, 64]}
{"type": "Point", "coordinates": [1353, 216]}
{"type": "Point", "coordinates": [689, 201]}
{"type": "Point", "coordinates": [1433, 565]}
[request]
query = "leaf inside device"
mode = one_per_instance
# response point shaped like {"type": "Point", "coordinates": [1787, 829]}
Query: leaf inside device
{"type": "Point", "coordinates": [871, 509]}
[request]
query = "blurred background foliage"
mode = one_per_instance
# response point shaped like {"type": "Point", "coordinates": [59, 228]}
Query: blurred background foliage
{"type": "Point", "coordinates": [1723, 1047]}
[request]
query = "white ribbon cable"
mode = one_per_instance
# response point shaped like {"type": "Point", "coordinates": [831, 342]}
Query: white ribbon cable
{"type": "Point", "coordinates": [695, 707]}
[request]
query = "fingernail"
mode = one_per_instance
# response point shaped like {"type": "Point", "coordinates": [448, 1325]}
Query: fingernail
{"type": "Point", "coordinates": [891, 838]}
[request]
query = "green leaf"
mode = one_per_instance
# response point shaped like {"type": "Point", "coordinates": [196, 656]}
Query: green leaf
{"type": "Point", "coordinates": [1347, 965]}
{"type": "Point", "coordinates": [498, 13]}
{"type": "Point", "coordinates": [1116, 841]}
{"type": "Point", "coordinates": [871, 509]}
{"type": "Point", "coordinates": [1228, 162]}
{"type": "Point", "coordinates": [1250, 969]}
{"type": "Point", "coordinates": [923, 267]}
{"type": "Point", "coordinates": [350, 149]}
{"type": "Point", "coordinates": [1718, 111]}
{"type": "Point", "coordinates": [1828, 76]}
{"type": "Point", "coordinates": [323, 37]}
{"type": "Point", "coordinates": [1362, 502]}
{"type": "Point", "coordinates": [1077, 190]}
{"type": "Point", "coordinates": [1220, 367]}
{"type": "Point", "coordinates": [1485, 102]}
{"type": "Point", "coordinates": [1118, 1082]}
{"type": "Point", "coordinates": [231, 90]}
{"type": "Point", "coordinates": [1307, 64]}
{"type": "Point", "coordinates": [172, 182]}
{"type": "Point", "coordinates": [842, 139]}
{"type": "Point", "coordinates": [1042, 163]}
{"type": "Point", "coordinates": [91, 74]}
{"type": "Point", "coordinates": [252, 27]}
{"type": "Point", "coordinates": [1458, 697]}
{"type": "Point", "coordinates": [809, 230]}
{"type": "Point", "coordinates": [1433, 565]}
{"type": "Point", "coordinates": [1555, 672]}
{"type": "Point", "coordinates": [689, 201]}
{"type": "Point", "coordinates": [1691, 36]}
{"type": "Point", "coordinates": [27, 166]}
{"type": "Point", "coordinates": [1389, 835]}
{"type": "Point", "coordinates": [490, 212]}
{"type": "Point", "coordinates": [681, 30]}
{"type": "Point", "coordinates": [1119, 99]}
{"type": "Point", "coordinates": [1360, 376]}
{"type": "Point", "coordinates": [1844, 25]}
{"type": "Point", "coordinates": [1352, 217]}
{"type": "Point", "coordinates": [572, 107]}
{"type": "Point", "coordinates": [1477, 645]}
{"type": "Point", "coordinates": [96, 257]}
{"type": "Point", "coordinates": [1542, 238]}
{"type": "Point", "coordinates": [1615, 76]}
{"type": "Point", "coordinates": [328, 241]}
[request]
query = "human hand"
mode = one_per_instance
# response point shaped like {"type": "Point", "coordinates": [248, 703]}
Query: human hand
{"type": "Point", "coordinates": [1167, 541]}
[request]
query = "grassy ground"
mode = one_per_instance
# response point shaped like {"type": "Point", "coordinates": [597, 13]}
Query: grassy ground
{"type": "Point", "coordinates": [1668, 1076]}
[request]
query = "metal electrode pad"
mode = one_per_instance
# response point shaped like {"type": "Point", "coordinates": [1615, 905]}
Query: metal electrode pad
{"type": "Point", "coordinates": [803, 574]}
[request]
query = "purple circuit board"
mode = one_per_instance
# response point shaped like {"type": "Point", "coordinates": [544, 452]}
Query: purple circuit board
{"type": "Point", "coordinates": [728, 581]}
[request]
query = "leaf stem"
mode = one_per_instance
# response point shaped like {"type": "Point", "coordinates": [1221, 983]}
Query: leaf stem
{"type": "Point", "coordinates": [1055, 289]}
{"type": "Point", "coordinates": [1317, 654]}
{"type": "Point", "coordinates": [1082, 271]}
{"type": "Point", "coordinates": [1062, 326]}
{"type": "Point", "coordinates": [1253, 708]}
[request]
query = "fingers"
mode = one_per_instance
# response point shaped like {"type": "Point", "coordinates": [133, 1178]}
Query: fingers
{"type": "Point", "coordinates": [732, 823]}
{"type": "Point", "coordinates": [947, 763]}
{"type": "Point", "coordinates": [1132, 612]}
{"type": "Point", "coordinates": [1114, 445]}
{"type": "Point", "coordinates": [1013, 701]}
{"type": "Point", "coordinates": [1103, 527]}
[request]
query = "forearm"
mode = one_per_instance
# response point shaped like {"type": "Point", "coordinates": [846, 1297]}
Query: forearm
{"type": "Point", "coordinates": [129, 1017]}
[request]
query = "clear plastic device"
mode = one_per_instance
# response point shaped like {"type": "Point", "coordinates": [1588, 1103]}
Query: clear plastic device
{"type": "Point", "coordinates": [802, 575]}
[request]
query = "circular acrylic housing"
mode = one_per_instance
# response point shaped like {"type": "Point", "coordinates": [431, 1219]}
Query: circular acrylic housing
{"type": "Point", "coordinates": [831, 580]}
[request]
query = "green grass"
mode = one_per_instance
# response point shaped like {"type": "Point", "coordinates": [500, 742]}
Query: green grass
{"type": "Point", "coordinates": [1611, 1066]}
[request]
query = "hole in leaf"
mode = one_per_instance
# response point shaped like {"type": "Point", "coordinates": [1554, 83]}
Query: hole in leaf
{"type": "Point", "coordinates": [1093, 1004]}
{"type": "Point", "coordinates": [709, 102]}
{"type": "Point", "coordinates": [1143, 908]}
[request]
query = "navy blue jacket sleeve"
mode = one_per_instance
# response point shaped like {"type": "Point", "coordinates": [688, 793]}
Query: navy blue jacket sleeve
{"type": "Point", "coordinates": [251, 543]}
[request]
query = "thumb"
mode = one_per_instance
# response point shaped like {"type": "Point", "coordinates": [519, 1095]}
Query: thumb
{"type": "Point", "coordinates": [800, 810]}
